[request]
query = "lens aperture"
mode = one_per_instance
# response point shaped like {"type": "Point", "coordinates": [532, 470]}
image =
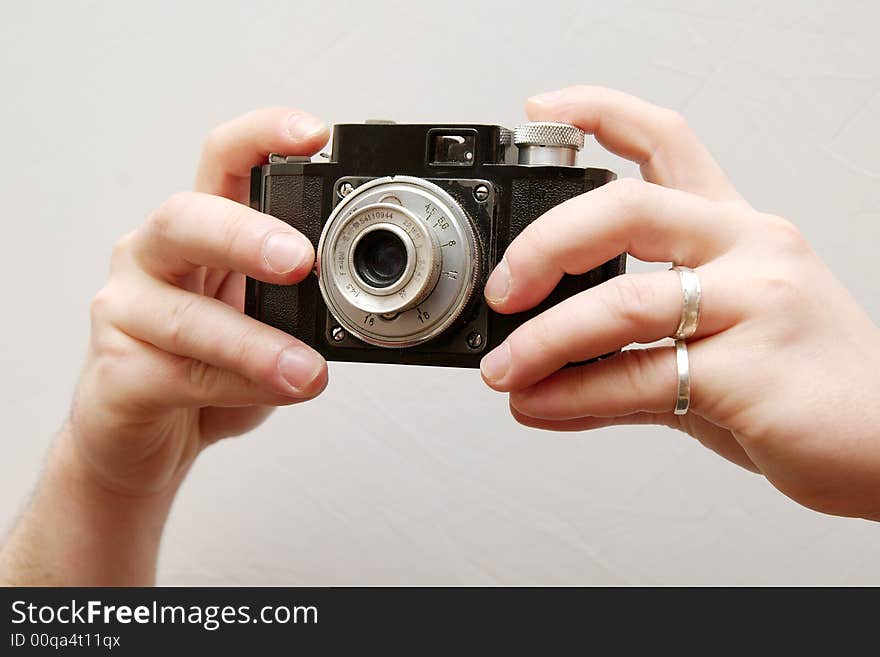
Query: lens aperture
{"type": "Point", "coordinates": [380, 258]}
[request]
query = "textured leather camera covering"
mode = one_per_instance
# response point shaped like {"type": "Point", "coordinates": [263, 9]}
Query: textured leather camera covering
{"type": "Point", "coordinates": [530, 198]}
{"type": "Point", "coordinates": [296, 200]}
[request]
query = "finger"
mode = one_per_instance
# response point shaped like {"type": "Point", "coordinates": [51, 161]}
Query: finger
{"type": "Point", "coordinates": [135, 372]}
{"type": "Point", "coordinates": [633, 381]}
{"type": "Point", "coordinates": [719, 440]}
{"type": "Point", "coordinates": [191, 230]}
{"type": "Point", "coordinates": [627, 309]}
{"type": "Point", "coordinates": [234, 147]}
{"type": "Point", "coordinates": [647, 221]}
{"type": "Point", "coordinates": [231, 291]}
{"type": "Point", "coordinates": [658, 139]}
{"type": "Point", "coordinates": [582, 423]}
{"type": "Point", "coordinates": [212, 332]}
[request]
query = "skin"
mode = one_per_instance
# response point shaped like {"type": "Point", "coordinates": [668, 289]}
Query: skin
{"type": "Point", "coordinates": [174, 366]}
{"type": "Point", "coordinates": [784, 361]}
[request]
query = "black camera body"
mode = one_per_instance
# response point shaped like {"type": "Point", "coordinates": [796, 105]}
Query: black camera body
{"type": "Point", "coordinates": [408, 221]}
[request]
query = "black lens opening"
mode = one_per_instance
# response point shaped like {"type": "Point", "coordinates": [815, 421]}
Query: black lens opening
{"type": "Point", "coordinates": [380, 258]}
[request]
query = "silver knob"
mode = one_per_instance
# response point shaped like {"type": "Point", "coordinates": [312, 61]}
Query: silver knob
{"type": "Point", "coordinates": [548, 143]}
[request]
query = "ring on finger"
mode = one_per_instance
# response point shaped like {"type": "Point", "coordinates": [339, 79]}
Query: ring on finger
{"type": "Point", "coordinates": [691, 293]}
{"type": "Point", "coordinates": [683, 394]}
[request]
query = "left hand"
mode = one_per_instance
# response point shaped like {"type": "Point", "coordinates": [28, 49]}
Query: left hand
{"type": "Point", "coordinates": [784, 362]}
{"type": "Point", "coordinates": [173, 366]}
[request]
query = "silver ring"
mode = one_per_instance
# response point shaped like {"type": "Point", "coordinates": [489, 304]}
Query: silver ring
{"type": "Point", "coordinates": [683, 396]}
{"type": "Point", "coordinates": [690, 309]}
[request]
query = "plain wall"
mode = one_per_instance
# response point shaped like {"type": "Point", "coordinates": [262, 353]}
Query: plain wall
{"type": "Point", "coordinates": [418, 475]}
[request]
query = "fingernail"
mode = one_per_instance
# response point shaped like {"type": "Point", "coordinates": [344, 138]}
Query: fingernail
{"type": "Point", "coordinates": [299, 366]}
{"type": "Point", "coordinates": [284, 252]}
{"type": "Point", "coordinates": [498, 284]}
{"type": "Point", "coordinates": [496, 363]}
{"type": "Point", "coordinates": [301, 127]}
{"type": "Point", "coordinates": [546, 98]}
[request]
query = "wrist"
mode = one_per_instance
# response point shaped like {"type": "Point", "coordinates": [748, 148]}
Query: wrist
{"type": "Point", "coordinates": [79, 531]}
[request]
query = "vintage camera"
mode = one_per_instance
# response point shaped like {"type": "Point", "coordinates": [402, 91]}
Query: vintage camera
{"type": "Point", "coordinates": [408, 222]}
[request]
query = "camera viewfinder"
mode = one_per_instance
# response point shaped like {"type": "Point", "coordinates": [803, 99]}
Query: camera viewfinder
{"type": "Point", "coordinates": [452, 147]}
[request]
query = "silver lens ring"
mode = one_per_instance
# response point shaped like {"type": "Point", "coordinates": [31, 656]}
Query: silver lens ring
{"type": "Point", "coordinates": [340, 275]}
{"type": "Point", "coordinates": [409, 266]}
{"type": "Point", "coordinates": [446, 267]}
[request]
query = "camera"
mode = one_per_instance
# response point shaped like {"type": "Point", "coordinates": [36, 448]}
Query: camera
{"type": "Point", "coordinates": [408, 221]}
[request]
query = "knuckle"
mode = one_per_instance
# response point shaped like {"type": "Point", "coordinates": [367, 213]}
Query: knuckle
{"type": "Point", "coordinates": [625, 188]}
{"type": "Point", "coordinates": [673, 122]}
{"type": "Point", "coordinates": [537, 338]}
{"type": "Point", "coordinates": [215, 140]}
{"type": "Point", "coordinates": [729, 217]}
{"type": "Point", "coordinates": [121, 249]}
{"type": "Point", "coordinates": [201, 377]}
{"type": "Point", "coordinates": [177, 327]}
{"type": "Point", "coordinates": [628, 196]}
{"type": "Point", "coordinates": [100, 305]}
{"type": "Point", "coordinates": [782, 293]}
{"type": "Point", "coordinates": [535, 238]}
{"type": "Point", "coordinates": [242, 351]}
{"type": "Point", "coordinates": [108, 368]}
{"type": "Point", "coordinates": [630, 298]}
{"type": "Point", "coordinates": [785, 235]}
{"type": "Point", "coordinates": [161, 221]}
{"type": "Point", "coordinates": [637, 370]}
{"type": "Point", "coordinates": [116, 357]}
{"type": "Point", "coordinates": [234, 230]}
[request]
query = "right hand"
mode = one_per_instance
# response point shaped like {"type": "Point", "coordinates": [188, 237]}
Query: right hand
{"type": "Point", "coordinates": [173, 363]}
{"type": "Point", "coordinates": [784, 361]}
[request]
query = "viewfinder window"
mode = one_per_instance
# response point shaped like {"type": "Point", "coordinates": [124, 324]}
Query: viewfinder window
{"type": "Point", "coordinates": [452, 148]}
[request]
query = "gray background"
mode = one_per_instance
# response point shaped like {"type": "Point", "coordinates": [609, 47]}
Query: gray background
{"type": "Point", "coordinates": [418, 475]}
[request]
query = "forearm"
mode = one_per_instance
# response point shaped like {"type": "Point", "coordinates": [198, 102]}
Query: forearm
{"type": "Point", "coordinates": [76, 532]}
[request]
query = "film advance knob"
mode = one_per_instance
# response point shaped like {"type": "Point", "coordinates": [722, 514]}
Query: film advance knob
{"type": "Point", "coordinates": [544, 142]}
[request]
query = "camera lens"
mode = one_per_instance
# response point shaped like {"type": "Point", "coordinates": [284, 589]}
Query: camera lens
{"type": "Point", "coordinates": [380, 258]}
{"type": "Point", "coordinates": [398, 260]}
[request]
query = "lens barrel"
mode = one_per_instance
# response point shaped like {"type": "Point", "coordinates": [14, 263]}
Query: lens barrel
{"type": "Point", "coordinates": [398, 261]}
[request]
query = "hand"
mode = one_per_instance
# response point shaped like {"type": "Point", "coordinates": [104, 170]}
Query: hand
{"type": "Point", "coordinates": [784, 363]}
{"type": "Point", "coordinates": [173, 363]}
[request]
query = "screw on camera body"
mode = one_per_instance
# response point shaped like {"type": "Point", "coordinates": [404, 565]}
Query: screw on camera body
{"type": "Point", "coordinates": [337, 333]}
{"type": "Point", "coordinates": [345, 189]}
{"type": "Point", "coordinates": [481, 193]}
{"type": "Point", "coordinates": [474, 340]}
